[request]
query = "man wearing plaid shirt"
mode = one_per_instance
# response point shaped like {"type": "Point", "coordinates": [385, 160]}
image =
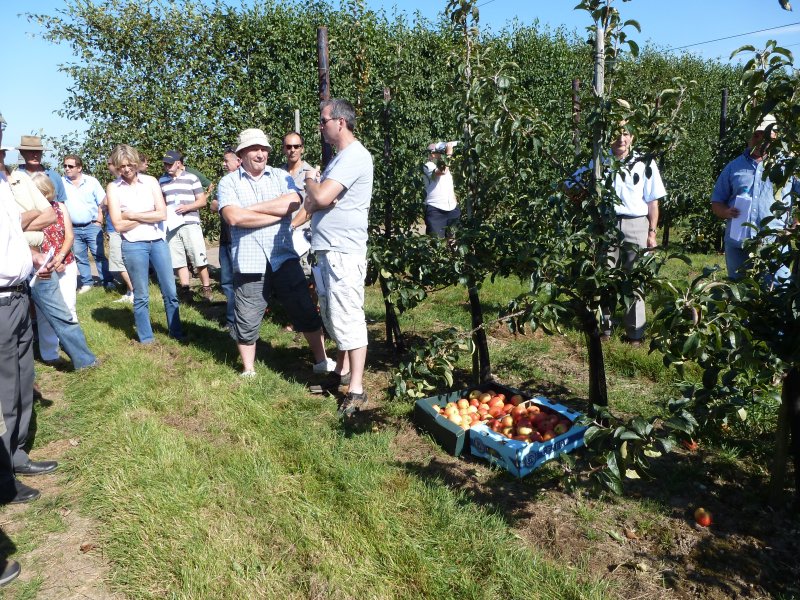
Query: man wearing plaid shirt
{"type": "Point", "coordinates": [257, 201]}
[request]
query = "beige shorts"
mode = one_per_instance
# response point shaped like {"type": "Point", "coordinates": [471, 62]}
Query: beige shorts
{"type": "Point", "coordinates": [187, 240]}
{"type": "Point", "coordinates": [115, 264]}
{"type": "Point", "coordinates": [342, 304]}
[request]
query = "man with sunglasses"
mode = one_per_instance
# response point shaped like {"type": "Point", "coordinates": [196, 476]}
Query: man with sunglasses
{"type": "Point", "coordinates": [339, 207]}
{"type": "Point", "coordinates": [85, 198]}
{"type": "Point", "coordinates": [293, 148]}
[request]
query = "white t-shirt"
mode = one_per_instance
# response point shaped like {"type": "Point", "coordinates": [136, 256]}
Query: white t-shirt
{"type": "Point", "coordinates": [439, 191]}
{"type": "Point", "coordinates": [343, 226]}
{"type": "Point", "coordinates": [636, 190]}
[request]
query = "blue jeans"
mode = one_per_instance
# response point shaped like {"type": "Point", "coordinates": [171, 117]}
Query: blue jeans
{"type": "Point", "coordinates": [50, 305]}
{"type": "Point", "coordinates": [226, 281]}
{"type": "Point", "coordinates": [138, 257]}
{"type": "Point", "coordinates": [89, 238]}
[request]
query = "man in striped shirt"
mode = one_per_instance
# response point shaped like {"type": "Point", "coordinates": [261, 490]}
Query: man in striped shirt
{"type": "Point", "coordinates": [185, 196]}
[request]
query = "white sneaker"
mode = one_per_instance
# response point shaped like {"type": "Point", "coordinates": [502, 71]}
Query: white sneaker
{"type": "Point", "coordinates": [127, 298]}
{"type": "Point", "coordinates": [85, 288]}
{"type": "Point", "coordinates": [325, 366]}
{"type": "Point", "coordinates": [247, 374]}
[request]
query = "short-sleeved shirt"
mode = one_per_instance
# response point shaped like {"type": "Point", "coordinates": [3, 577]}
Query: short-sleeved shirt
{"type": "Point", "coordinates": [204, 181]}
{"type": "Point", "coordinates": [439, 190]}
{"type": "Point", "coordinates": [634, 187]}
{"type": "Point", "coordinates": [181, 190]}
{"type": "Point", "coordinates": [252, 249]}
{"type": "Point", "coordinates": [744, 176]}
{"type": "Point", "coordinates": [300, 182]}
{"type": "Point", "coordinates": [138, 197]}
{"type": "Point", "coordinates": [61, 192]}
{"type": "Point", "coordinates": [55, 234]}
{"type": "Point", "coordinates": [84, 199]}
{"type": "Point", "coordinates": [343, 227]}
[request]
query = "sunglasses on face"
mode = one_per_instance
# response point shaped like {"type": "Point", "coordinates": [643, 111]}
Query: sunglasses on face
{"type": "Point", "coordinates": [69, 166]}
{"type": "Point", "coordinates": [293, 146]}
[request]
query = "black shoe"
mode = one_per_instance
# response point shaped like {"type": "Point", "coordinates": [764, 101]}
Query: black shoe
{"type": "Point", "coordinates": [36, 467]}
{"type": "Point", "coordinates": [331, 384]}
{"type": "Point", "coordinates": [19, 493]}
{"type": "Point", "coordinates": [10, 571]}
{"type": "Point", "coordinates": [352, 404]}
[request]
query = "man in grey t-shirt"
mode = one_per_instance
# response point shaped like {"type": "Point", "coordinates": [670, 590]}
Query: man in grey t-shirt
{"type": "Point", "coordinates": [339, 207]}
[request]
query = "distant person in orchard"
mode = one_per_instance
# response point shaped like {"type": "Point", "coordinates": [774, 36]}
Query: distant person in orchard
{"type": "Point", "coordinates": [137, 209]}
{"type": "Point", "coordinates": [185, 196]}
{"type": "Point", "coordinates": [257, 201]}
{"type": "Point", "coordinates": [339, 207]}
{"type": "Point", "coordinates": [742, 184]}
{"type": "Point", "coordinates": [230, 162]}
{"type": "Point", "coordinates": [636, 219]}
{"type": "Point", "coordinates": [85, 197]}
{"type": "Point", "coordinates": [441, 206]}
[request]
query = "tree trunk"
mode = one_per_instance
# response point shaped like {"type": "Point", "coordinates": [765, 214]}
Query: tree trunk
{"type": "Point", "coordinates": [788, 421]}
{"type": "Point", "coordinates": [598, 390]}
{"type": "Point", "coordinates": [481, 369]}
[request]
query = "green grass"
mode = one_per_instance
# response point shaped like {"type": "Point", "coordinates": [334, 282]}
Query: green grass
{"type": "Point", "coordinates": [205, 486]}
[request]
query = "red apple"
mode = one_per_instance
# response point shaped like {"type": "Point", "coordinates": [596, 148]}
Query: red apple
{"type": "Point", "coordinates": [702, 517]}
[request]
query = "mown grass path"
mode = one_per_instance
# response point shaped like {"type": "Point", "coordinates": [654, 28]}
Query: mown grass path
{"type": "Point", "coordinates": [197, 484]}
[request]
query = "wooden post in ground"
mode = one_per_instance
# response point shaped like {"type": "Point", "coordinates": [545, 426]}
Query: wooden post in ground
{"type": "Point", "coordinates": [324, 83]}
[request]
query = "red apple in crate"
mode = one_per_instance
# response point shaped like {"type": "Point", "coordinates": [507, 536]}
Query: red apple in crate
{"type": "Point", "coordinates": [474, 402]}
{"type": "Point", "coordinates": [474, 394]}
{"type": "Point", "coordinates": [502, 397]}
{"type": "Point", "coordinates": [485, 397]}
{"type": "Point", "coordinates": [516, 399]}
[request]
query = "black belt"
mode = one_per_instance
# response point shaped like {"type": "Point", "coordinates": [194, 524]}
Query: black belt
{"type": "Point", "coordinates": [20, 288]}
{"type": "Point", "coordinates": [631, 216]}
{"type": "Point", "coordinates": [82, 224]}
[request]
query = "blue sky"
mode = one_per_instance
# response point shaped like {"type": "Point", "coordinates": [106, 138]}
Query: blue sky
{"type": "Point", "coordinates": [33, 88]}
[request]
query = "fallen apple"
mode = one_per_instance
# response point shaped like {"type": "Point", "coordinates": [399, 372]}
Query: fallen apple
{"type": "Point", "coordinates": [702, 517]}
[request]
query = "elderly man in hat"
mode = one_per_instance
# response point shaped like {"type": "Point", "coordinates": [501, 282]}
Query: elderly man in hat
{"type": "Point", "coordinates": [257, 201]}
{"type": "Point", "coordinates": [741, 186]}
{"type": "Point", "coordinates": [31, 149]}
{"type": "Point", "coordinates": [185, 197]}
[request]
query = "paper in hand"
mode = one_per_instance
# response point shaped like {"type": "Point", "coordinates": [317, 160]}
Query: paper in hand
{"type": "Point", "coordinates": [738, 231]}
{"type": "Point", "coordinates": [47, 258]}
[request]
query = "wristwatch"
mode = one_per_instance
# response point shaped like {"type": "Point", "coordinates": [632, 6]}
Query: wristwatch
{"type": "Point", "coordinates": [651, 230]}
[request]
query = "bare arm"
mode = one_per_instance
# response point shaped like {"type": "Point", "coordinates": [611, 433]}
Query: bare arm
{"type": "Point", "coordinates": [320, 196]}
{"type": "Point", "coordinates": [300, 218]}
{"type": "Point", "coordinates": [723, 211]}
{"type": "Point", "coordinates": [199, 202]}
{"type": "Point", "coordinates": [37, 220]}
{"type": "Point", "coordinates": [652, 223]}
{"type": "Point", "coordinates": [280, 206]}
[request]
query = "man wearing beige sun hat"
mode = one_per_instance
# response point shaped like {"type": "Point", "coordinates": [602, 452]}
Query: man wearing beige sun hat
{"type": "Point", "coordinates": [31, 149]}
{"type": "Point", "coordinates": [257, 201]}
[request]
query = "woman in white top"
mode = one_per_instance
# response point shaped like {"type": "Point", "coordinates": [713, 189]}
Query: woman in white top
{"type": "Point", "coordinates": [137, 210]}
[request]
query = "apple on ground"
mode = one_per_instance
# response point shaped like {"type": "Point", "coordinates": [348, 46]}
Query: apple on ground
{"type": "Point", "coordinates": [702, 517]}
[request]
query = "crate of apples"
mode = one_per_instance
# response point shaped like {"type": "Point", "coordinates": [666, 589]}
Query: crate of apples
{"type": "Point", "coordinates": [522, 433]}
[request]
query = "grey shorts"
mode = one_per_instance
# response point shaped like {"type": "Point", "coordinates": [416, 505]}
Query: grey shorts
{"type": "Point", "coordinates": [115, 264]}
{"type": "Point", "coordinates": [252, 293]}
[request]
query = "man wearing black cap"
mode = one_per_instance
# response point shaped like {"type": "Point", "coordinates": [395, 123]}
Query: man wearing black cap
{"type": "Point", "coordinates": [185, 197]}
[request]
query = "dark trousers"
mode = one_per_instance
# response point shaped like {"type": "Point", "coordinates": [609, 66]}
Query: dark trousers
{"type": "Point", "coordinates": [16, 380]}
{"type": "Point", "coordinates": [438, 220]}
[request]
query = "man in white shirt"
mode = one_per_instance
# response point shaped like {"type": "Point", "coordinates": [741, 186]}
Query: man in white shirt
{"type": "Point", "coordinates": [339, 207]}
{"type": "Point", "coordinates": [441, 206]}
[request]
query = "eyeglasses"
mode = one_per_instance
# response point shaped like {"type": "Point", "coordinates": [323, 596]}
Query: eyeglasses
{"type": "Point", "coordinates": [324, 121]}
{"type": "Point", "coordinates": [69, 166]}
{"type": "Point", "coordinates": [295, 146]}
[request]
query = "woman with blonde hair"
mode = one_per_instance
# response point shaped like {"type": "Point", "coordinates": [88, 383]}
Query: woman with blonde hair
{"type": "Point", "coordinates": [137, 210]}
{"type": "Point", "coordinates": [59, 238]}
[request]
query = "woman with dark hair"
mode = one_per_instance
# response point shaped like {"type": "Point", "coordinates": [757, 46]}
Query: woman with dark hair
{"type": "Point", "coordinates": [137, 210]}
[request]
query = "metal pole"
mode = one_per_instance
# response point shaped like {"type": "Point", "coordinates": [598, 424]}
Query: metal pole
{"type": "Point", "coordinates": [324, 83]}
{"type": "Point", "coordinates": [297, 120]}
{"type": "Point", "coordinates": [576, 115]}
{"type": "Point", "coordinates": [599, 92]}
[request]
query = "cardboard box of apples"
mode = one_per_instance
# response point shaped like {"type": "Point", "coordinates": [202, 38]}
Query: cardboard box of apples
{"type": "Point", "coordinates": [502, 425]}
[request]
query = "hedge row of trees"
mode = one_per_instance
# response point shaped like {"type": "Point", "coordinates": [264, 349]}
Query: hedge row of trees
{"type": "Point", "coordinates": [191, 75]}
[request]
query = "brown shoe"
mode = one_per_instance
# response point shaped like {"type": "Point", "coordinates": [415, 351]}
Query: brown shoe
{"type": "Point", "coordinates": [631, 342]}
{"type": "Point", "coordinates": [207, 293]}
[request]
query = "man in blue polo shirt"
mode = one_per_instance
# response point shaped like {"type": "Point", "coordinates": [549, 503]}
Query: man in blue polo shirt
{"type": "Point", "coordinates": [742, 183]}
{"type": "Point", "coordinates": [85, 196]}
